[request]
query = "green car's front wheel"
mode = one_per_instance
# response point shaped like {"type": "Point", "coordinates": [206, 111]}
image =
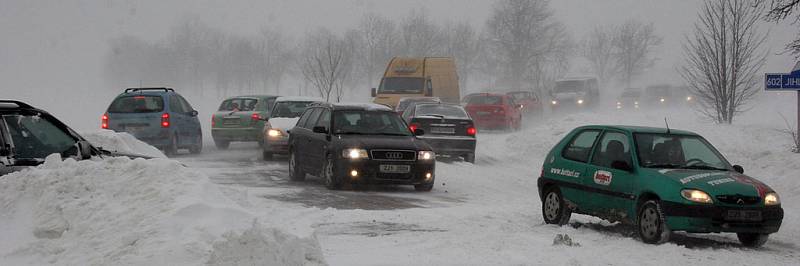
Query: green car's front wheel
{"type": "Point", "coordinates": [651, 224]}
{"type": "Point", "coordinates": [752, 240]}
{"type": "Point", "coordinates": [554, 210]}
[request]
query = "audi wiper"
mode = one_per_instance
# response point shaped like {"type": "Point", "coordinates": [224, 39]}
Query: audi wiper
{"type": "Point", "coordinates": [666, 165]}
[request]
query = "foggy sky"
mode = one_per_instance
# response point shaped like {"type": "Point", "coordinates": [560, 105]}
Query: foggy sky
{"type": "Point", "coordinates": [58, 47]}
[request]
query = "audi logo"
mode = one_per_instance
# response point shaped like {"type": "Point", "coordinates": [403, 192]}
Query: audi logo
{"type": "Point", "coordinates": [394, 155]}
{"type": "Point", "coordinates": [740, 201]}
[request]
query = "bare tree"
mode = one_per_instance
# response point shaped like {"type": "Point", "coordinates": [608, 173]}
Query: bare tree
{"type": "Point", "coordinates": [779, 10]}
{"type": "Point", "coordinates": [598, 49]}
{"type": "Point", "coordinates": [326, 62]}
{"type": "Point", "coordinates": [461, 42]}
{"type": "Point", "coordinates": [421, 37]}
{"type": "Point", "coordinates": [277, 55]}
{"type": "Point", "coordinates": [634, 42]}
{"type": "Point", "coordinates": [377, 38]}
{"type": "Point", "coordinates": [520, 34]}
{"type": "Point", "coordinates": [724, 57]}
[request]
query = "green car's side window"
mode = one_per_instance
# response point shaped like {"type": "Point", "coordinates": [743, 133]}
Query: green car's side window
{"type": "Point", "coordinates": [581, 145]}
{"type": "Point", "coordinates": [613, 146]}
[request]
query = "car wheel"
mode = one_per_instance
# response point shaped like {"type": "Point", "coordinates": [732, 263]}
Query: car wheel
{"type": "Point", "coordinates": [295, 172]}
{"type": "Point", "coordinates": [172, 147]}
{"type": "Point", "coordinates": [198, 147]}
{"type": "Point", "coordinates": [651, 225]}
{"type": "Point", "coordinates": [470, 158]}
{"type": "Point", "coordinates": [554, 209]}
{"type": "Point", "coordinates": [222, 144]}
{"type": "Point", "coordinates": [424, 187]}
{"type": "Point", "coordinates": [331, 180]}
{"type": "Point", "coordinates": [753, 240]}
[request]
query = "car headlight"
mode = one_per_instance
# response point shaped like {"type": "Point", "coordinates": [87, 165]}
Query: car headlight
{"type": "Point", "coordinates": [274, 132]}
{"type": "Point", "coordinates": [695, 195]}
{"type": "Point", "coordinates": [580, 101]}
{"type": "Point", "coordinates": [688, 98]}
{"type": "Point", "coordinates": [662, 100]}
{"type": "Point", "coordinates": [772, 199]}
{"type": "Point", "coordinates": [426, 155]}
{"type": "Point", "coordinates": [355, 154]}
{"type": "Point", "coordinates": [636, 103]}
{"type": "Point", "coordinates": [554, 102]}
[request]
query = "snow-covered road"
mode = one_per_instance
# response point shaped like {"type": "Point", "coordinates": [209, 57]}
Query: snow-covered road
{"type": "Point", "coordinates": [489, 213]}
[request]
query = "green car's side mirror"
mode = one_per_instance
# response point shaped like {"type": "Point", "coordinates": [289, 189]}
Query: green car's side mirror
{"type": "Point", "coordinates": [738, 169]}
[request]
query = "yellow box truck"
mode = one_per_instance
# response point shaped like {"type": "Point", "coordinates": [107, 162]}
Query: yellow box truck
{"type": "Point", "coordinates": [419, 76]}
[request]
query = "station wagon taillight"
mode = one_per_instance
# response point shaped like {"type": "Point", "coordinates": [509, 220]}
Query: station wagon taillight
{"type": "Point", "coordinates": [165, 120]}
{"type": "Point", "coordinates": [472, 131]}
{"type": "Point", "coordinates": [104, 121]}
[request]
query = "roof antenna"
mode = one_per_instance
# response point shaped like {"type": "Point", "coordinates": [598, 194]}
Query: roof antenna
{"type": "Point", "coordinates": [667, 123]}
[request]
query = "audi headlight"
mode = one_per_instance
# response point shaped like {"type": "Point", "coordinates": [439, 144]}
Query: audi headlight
{"type": "Point", "coordinates": [772, 199]}
{"type": "Point", "coordinates": [355, 154]}
{"type": "Point", "coordinates": [274, 132]}
{"type": "Point", "coordinates": [426, 155]}
{"type": "Point", "coordinates": [695, 195]}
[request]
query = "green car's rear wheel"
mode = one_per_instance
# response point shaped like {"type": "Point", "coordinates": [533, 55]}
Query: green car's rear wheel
{"type": "Point", "coordinates": [651, 223]}
{"type": "Point", "coordinates": [752, 240]}
{"type": "Point", "coordinates": [554, 209]}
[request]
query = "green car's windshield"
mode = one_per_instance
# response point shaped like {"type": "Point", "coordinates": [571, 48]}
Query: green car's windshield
{"type": "Point", "coordinates": [35, 136]}
{"type": "Point", "coordinates": [290, 109]}
{"type": "Point", "coordinates": [678, 152]}
{"type": "Point", "coordinates": [369, 123]}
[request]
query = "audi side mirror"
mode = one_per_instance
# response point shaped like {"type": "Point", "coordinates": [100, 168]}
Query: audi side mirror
{"type": "Point", "coordinates": [621, 165]}
{"type": "Point", "coordinates": [738, 169]}
{"type": "Point", "coordinates": [84, 149]}
{"type": "Point", "coordinates": [194, 113]}
{"type": "Point", "coordinates": [320, 129]}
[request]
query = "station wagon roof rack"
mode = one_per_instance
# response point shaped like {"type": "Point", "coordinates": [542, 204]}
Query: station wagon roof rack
{"type": "Point", "coordinates": [128, 90]}
{"type": "Point", "coordinates": [17, 103]}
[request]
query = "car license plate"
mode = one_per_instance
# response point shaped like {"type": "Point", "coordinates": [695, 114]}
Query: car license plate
{"type": "Point", "coordinates": [443, 130]}
{"type": "Point", "coordinates": [740, 215]}
{"type": "Point", "coordinates": [395, 169]}
{"type": "Point", "coordinates": [230, 121]}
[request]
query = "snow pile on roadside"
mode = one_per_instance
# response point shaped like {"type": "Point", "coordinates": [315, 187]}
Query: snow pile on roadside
{"type": "Point", "coordinates": [129, 211]}
{"type": "Point", "coordinates": [262, 246]}
{"type": "Point", "coordinates": [121, 142]}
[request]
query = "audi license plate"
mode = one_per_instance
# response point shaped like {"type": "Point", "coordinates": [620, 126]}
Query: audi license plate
{"type": "Point", "coordinates": [740, 215]}
{"type": "Point", "coordinates": [443, 130]}
{"type": "Point", "coordinates": [395, 169]}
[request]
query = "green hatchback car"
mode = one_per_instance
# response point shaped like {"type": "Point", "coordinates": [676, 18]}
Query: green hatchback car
{"type": "Point", "coordinates": [240, 118]}
{"type": "Point", "coordinates": [658, 180]}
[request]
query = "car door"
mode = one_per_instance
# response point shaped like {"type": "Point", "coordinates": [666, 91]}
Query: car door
{"type": "Point", "coordinates": [192, 122]}
{"type": "Point", "coordinates": [318, 147]}
{"type": "Point", "coordinates": [304, 151]}
{"type": "Point", "coordinates": [611, 174]}
{"type": "Point", "coordinates": [177, 119]}
{"type": "Point", "coordinates": [299, 134]}
{"type": "Point", "coordinates": [572, 167]}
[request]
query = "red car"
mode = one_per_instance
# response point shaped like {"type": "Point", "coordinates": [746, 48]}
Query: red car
{"type": "Point", "coordinates": [490, 110]}
{"type": "Point", "coordinates": [529, 101]}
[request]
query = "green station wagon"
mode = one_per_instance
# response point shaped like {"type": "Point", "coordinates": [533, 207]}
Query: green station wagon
{"type": "Point", "coordinates": [657, 179]}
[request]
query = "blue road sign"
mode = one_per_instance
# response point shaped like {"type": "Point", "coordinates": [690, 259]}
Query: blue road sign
{"type": "Point", "coordinates": [782, 81]}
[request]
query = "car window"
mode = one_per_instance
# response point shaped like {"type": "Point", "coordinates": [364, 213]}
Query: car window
{"type": "Point", "coordinates": [290, 109]}
{"type": "Point", "coordinates": [312, 119]}
{"type": "Point", "coordinates": [238, 104]}
{"type": "Point", "coordinates": [175, 105]}
{"type": "Point", "coordinates": [440, 109]}
{"type": "Point", "coordinates": [487, 100]}
{"type": "Point", "coordinates": [268, 104]}
{"type": "Point", "coordinates": [137, 104]}
{"type": "Point", "coordinates": [581, 146]}
{"type": "Point", "coordinates": [613, 147]}
{"type": "Point", "coordinates": [409, 112]}
{"type": "Point", "coordinates": [302, 121]}
{"type": "Point", "coordinates": [34, 136]}
{"type": "Point", "coordinates": [325, 119]}
{"type": "Point", "coordinates": [185, 104]}
{"type": "Point", "coordinates": [369, 123]}
{"type": "Point", "coordinates": [677, 151]}
{"type": "Point", "coordinates": [401, 85]}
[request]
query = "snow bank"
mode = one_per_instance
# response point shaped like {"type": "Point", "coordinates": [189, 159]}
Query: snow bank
{"type": "Point", "coordinates": [121, 142]}
{"type": "Point", "coordinates": [131, 211]}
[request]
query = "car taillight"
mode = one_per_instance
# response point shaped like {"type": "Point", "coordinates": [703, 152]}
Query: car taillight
{"type": "Point", "coordinates": [472, 131]}
{"type": "Point", "coordinates": [165, 120]}
{"type": "Point", "coordinates": [255, 117]}
{"type": "Point", "coordinates": [104, 121]}
{"type": "Point", "coordinates": [413, 127]}
{"type": "Point", "coordinates": [213, 120]}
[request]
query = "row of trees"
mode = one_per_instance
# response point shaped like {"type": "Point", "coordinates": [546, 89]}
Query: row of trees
{"type": "Point", "coordinates": [621, 52]}
{"type": "Point", "coordinates": [520, 46]}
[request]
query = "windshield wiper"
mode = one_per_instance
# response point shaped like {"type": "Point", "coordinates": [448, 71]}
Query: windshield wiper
{"type": "Point", "coordinates": [666, 165]}
{"type": "Point", "coordinates": [703, 167]}
{"type": "Point", "coordinates": [351, 133]}
{"type": "Point", "coordinates": [392, 134]}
